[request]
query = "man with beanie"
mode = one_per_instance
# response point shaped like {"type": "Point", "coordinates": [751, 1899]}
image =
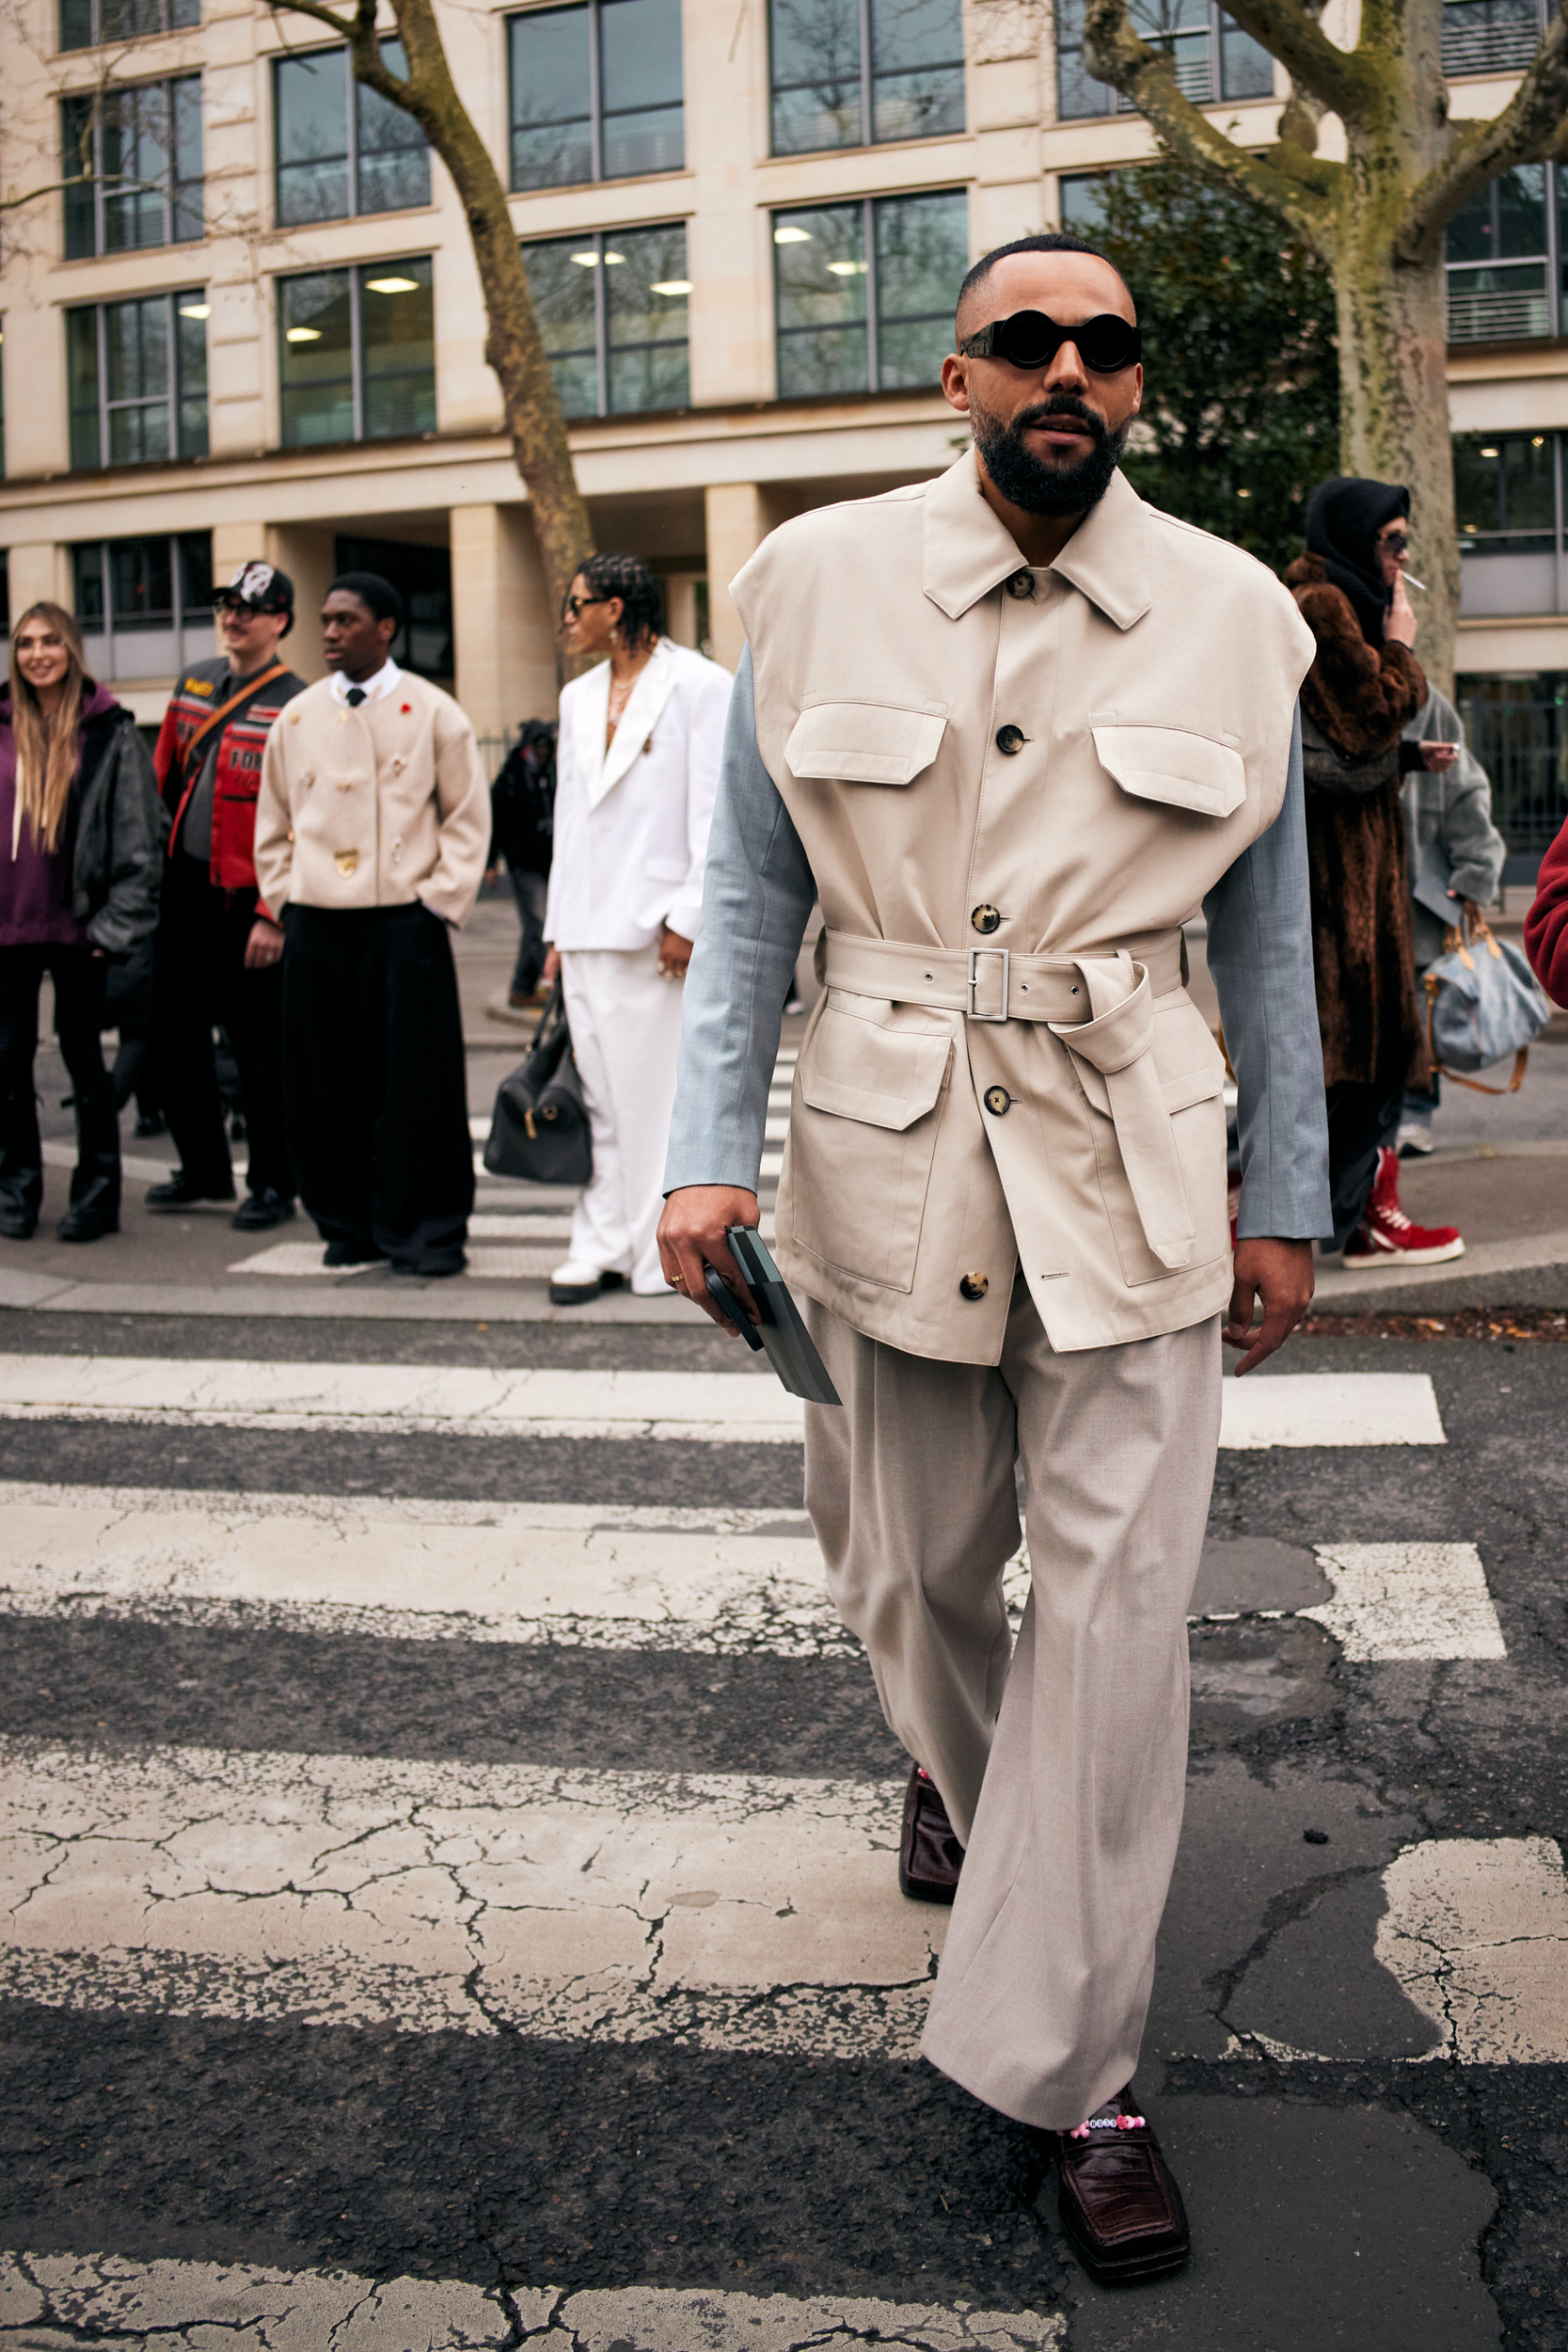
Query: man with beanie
{"type": "Point", "coordinates": [218, 950]}
{"type": "Point", "coordinates": [370, 841]}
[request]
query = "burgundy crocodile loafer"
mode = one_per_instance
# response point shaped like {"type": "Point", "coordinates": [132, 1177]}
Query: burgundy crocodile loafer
{"type": "Point", "coordinates": [1120, 2205]}
{"type": "Point", "coordinates": [929, 1856]}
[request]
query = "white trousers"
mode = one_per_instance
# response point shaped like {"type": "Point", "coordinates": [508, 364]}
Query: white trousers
{"type": "Point", "coordinates": [626, 1024]}
{"type": "Point", "coordinates": [1063, 1768]}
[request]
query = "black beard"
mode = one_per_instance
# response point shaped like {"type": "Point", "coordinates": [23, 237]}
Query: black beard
{"type": "Point", "coordinates": [1028, 481]}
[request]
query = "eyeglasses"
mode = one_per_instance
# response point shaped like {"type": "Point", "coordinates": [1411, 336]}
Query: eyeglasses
{"type": "Point", "coordinates": [1397, 543]}
{"type": "Point", "coordinates": [1029, 338]}
{"type": "Point", "coordinates": [573, 605]}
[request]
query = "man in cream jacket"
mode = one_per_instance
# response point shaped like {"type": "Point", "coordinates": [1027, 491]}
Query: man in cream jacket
{"type": "Point", "coordinates": [1011, 727]}
{"type": "Point", "coordinates": [371, 831]}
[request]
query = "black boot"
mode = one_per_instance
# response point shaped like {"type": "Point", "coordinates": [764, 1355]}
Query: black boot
{"type": "Point", "coordinates": [20, 1191]}
{"type": "Point", "coordinates": [94, 1209]}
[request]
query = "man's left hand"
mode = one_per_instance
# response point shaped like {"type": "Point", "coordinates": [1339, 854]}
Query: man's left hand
{"type": "Point", "coordinates": [1278, 1275]}
{"type": "Point", "coordinates": [674, 954]}
{"type": "Point", "coordinates": [264, 945]}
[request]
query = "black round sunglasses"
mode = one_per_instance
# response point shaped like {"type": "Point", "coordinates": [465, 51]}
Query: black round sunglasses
{"type": "Point", "coordinates": [1029, 338]}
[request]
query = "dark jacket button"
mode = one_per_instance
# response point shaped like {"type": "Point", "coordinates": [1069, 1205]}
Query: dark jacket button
{"type": "Point", "coordinates": [1010, 740]}
{"type": "Point", "coordinates": [987, 918]}
{"type": "Point", "coordinates": [974, 1285]}
{"type": "Point", "coordinates": [998, 1101]}
{"type": "Point", "coordinates": [1021, 585]}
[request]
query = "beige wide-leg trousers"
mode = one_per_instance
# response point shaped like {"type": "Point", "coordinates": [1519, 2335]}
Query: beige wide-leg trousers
{"type": "Point", "coordinates": [1064, 1771]}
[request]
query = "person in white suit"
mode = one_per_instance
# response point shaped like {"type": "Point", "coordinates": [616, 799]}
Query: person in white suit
{"type": "Point", "coordinates": [637, 770]}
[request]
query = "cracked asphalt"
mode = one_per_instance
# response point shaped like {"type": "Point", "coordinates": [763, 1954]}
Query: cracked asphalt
{"type": "Point", "coordinates": [689, 2113]}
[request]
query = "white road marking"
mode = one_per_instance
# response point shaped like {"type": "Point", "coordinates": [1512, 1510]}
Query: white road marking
{"type": "Point", "coordinates": [571, 1905]}
{"type": "Point", "coordinates": [1477, 1933]}
{"type": "Point", "coordinates": [1408, 1600]}
{"type": "Point", "coordinates": [187, 2304]}
{"type": "Point", "coordinates": [486, 1263]}
{"type": "Point", "coordinates": [775, 1130]}
{"type": "Point", "coordinates": [469, 1401]}
{"type": "Point", "coordinates": [1305, 1409]}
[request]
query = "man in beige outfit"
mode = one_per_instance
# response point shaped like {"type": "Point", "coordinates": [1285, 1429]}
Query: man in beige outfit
{"type": "Point", "coordinates": [1011, 727]}
{"type": "Point", "coordinates": [371, 830]}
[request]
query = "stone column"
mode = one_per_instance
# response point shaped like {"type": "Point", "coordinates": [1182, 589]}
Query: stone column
{"type": "Point", "coordinates": [309, 556]}
{"type": "Point", "coordinates": [503, 620]}
{"type": "Point", "coordinates": [36, 572]}
{"type": "Point", "coordinates": [680, 608]}
{"type": "Point", "coordinates": [737, 522]}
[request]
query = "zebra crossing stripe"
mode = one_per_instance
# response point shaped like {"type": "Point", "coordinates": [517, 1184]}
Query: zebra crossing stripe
{"type": "Point", "coordinates": [711, 1583]}
{"type": "Point", "coordinates": [1300, 1409]}
{"type": "Point", "coordinates": [184, 2304]}
{"type": "Point", "coordinates": [431, 1897]}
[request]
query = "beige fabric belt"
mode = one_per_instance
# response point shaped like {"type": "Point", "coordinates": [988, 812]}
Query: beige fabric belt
{"type": "Point", "coordinates": [1100, 1007]}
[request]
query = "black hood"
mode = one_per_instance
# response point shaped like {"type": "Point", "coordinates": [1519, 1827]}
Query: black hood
{"type": "Point", "coordinates": [1343, 518]}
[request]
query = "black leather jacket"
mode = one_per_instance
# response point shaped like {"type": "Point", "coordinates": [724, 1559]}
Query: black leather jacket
{"type": "Point", "coordinates": [117, 852]}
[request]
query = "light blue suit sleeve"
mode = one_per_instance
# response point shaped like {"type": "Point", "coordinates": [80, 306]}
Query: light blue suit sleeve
{"type": "Point", "coordinates": [757, 897]}
{"type": "Point", "coordinates": [1261, 957]}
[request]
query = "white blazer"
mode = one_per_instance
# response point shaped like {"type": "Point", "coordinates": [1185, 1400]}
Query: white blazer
{"type": "Point", "coordinates": [631, 824]}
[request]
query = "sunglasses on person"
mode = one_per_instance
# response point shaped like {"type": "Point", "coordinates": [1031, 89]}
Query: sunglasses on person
{"type": "Point", "coordinates": [573, 605]}
{"type": "Point", "coordinates": [1029, 338]}
{"type": "Point", "coordinates": [1396, 543]}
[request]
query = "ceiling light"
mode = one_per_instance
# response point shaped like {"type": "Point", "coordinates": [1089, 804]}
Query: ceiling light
{"type": "Point", "coordinates": [1470, 527]}
{"type": "Point", "coordinates": [586, 260]}
{"type": "Point", "coordinates": [1538, 440]}
{"type": "Point", "coordinates": [391, 285]}
{"type": "Point", "coordinates": [1489, 452]}
{"type": "Point", "coordinates": [792, 237]}
{"type": "Point", "coordinates": [303, 335]}
{"type": "Point", "coordinates": [611, 259]}
{"type": "Point", "coordinates": [195, 309]}
{"type": "Point", "coordinates": [1243, 494]}
{"type": "Point", "coordinates": [672, 286]}
{"type": "Point", "coordinates": [847, 269]}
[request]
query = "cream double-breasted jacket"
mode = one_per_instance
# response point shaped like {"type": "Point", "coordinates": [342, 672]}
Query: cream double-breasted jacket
{"type": "Point", "coordinates": [373, 806]}
{"type": "Point", "coordinates": [1013, 785]}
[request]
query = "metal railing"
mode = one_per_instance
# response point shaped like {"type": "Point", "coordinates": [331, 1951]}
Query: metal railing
{"type": "Point", "coordinates": [1497, 314]}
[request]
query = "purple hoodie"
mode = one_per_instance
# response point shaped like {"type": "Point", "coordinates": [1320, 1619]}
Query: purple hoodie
{"type": "Point", "coordinates": [34, 884]}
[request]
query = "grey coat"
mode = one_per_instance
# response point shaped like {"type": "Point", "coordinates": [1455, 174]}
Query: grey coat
{"type": "Point", "coordinates": [117, 857]}
{"type": "Point", "coordinates": [1447, 824]}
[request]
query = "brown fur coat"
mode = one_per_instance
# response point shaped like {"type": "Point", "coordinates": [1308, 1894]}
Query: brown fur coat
{"type": "Point", "coordinates": [1363, 954]}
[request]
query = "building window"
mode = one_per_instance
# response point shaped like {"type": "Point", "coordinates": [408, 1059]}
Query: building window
{"type": "Point", "coordinates": [864, 292]}
{"type": "Point", "coordinates": [1509, 498]}
{"type": "Point", "coordinates": [613, 311]}
{"type": "Point", "coordinates": [1213, 58]}
{"type": "Point", "coordinates": [1506, 258]}
{"type": "Point", "coordinates": [853, 72]}
{"type": "Point", "coordinates": [596, 92]}
{"type": "Point", "coordinates": [341, 147]}
{"type": "Point", "coordinates": [1491, 35]}
{"type": "Point", "coordinates": [1517, 728]}
{"type": "Point", "coordinates": [142, 148]}
{"type": "Point", "coordinates": [86, 22]}
{"type": "Point", "coordinates": [138, 373]}
{"type": "Point", "coordinates": [357, 353]}
{"type": "Point", "coordinates": [145, 605]}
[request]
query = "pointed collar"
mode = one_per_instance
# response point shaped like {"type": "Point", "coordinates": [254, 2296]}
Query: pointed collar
{"type": "Point", "coordinates": [602, 769]}
{"type": "Point", "coordinates": [968, 550]}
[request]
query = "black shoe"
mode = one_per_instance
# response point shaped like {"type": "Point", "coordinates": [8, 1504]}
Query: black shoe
{"type": "Point", "coordinates": [1119, 2203]}
{"type": "Point", "coordinates": [262, 1209]}
{"type": "Point", "coordinates": [183, 1191]}
{"type": "Point", "coordinates": [17, 1224]}
{"type": "Point", "coordinates": [89, 1219]}
{"type": "Point", "coordinates": [430, 1269]}
{"type": "Point", "coordinates": [929, 1855]}
{"type": "Point", "coordinates": [352, 1253]}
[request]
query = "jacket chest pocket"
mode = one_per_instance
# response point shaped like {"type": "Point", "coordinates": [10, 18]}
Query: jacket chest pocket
{"type": "Point", "coordinates": [862, 1136]}
{"type": "Point", "coordinates": [1175, 766]}
{"type": "Point", "coordinates": [866, 743]}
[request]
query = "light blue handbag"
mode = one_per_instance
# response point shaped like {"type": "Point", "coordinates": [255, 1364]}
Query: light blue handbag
{"type": "Point", "coordinates": [1483, 1002]}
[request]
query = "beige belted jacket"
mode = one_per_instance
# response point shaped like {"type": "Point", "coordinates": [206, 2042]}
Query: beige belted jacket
{"type": "Point", "coordinates": [1013, 784]}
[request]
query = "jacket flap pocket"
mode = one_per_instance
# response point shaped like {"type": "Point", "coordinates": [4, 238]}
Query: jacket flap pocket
{"type": "Point", "coordinates": [883, 1077]}
{"type": "Point", "coordinates": [1173, 765]}
{"type": "Point", "coordinates": [866, 743]}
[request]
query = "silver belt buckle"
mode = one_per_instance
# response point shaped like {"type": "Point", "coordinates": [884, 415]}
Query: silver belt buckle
{"type": "Point", "coordinates": [972, 982]}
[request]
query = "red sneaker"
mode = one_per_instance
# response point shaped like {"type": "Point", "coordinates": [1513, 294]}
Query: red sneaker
{"type": "Point", "coordinates": [1387, 1236]}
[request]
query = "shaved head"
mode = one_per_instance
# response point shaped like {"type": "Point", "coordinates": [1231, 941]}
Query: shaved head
{"type": "Point", "coordinates": [1032, 272]}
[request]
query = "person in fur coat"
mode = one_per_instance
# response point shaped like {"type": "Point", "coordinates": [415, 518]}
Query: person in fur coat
{"type": "Point", "coordinates": [1363, 689]}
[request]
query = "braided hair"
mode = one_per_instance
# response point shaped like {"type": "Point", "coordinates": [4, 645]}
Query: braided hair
{"type": "Point", "coordinates": [629, 578]}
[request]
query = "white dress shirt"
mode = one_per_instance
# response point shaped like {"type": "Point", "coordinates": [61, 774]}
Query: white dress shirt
{"type": "Point", "coordinates": [372, 690]}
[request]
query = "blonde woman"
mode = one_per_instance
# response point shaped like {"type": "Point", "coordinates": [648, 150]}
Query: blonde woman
{"type": "Point", "coordinates": [80, 833]}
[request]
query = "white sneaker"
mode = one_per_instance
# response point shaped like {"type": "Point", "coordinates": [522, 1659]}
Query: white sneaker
{"type": "Point", "coordinates": [575, 1282]}
{"type": "Point", "coordinates": [1413, 1141]}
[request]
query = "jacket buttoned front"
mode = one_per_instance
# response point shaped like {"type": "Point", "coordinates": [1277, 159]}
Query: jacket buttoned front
{"type": "Point", "coordinates": [1013, 784]}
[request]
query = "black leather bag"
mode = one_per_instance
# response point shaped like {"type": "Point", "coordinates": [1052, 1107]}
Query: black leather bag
{"type": "Point", "coordinates": [1326, 769]}
{"type": "Point", "coordinates": [539, 1128]}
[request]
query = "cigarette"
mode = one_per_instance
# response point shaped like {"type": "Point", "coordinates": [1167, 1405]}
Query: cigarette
{"type": "Point", "coordinates": [1411, 581]}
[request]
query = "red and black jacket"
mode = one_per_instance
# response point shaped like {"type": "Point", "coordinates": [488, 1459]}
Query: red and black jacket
{"type": "Point", "coordinates": [242, 738]}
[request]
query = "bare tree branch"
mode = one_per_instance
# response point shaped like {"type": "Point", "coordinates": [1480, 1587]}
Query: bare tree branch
{"type": "Point", "coordinates": [1532, 128]}
{"type": "Point", "coordinates": [1290, 181]}
{"type": "Point", "coordinates": [1291, 32]}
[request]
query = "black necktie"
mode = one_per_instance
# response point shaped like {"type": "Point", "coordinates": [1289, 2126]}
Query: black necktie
{"type": "Point", "coordinates": [355, 696]}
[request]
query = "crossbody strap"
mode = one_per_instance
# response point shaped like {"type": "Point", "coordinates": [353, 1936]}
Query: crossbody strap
{"type": "Point", "coordinates": [189, 765]}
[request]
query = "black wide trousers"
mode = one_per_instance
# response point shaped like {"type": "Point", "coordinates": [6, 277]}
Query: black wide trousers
{"type": "Point", "coordinates": [78, 976]}
{"type": "Point", "coordinates": [375, 1087]}
{"type": "Point", "coordinates": [199, 977]}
